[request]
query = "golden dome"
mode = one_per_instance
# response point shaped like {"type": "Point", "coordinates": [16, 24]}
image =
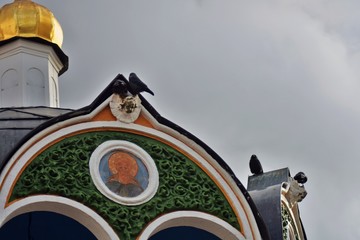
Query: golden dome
{"type": "Point", "coordinates": [24, 18]}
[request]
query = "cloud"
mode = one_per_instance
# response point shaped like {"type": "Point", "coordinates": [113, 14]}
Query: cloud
{"type": "Point", "coordinates": [276, 78]}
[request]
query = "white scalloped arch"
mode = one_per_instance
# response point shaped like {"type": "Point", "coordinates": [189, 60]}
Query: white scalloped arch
{"type": "Point", "coordinates": [200, 220]}
{"type": "Point", "coordinates": [77, 211]}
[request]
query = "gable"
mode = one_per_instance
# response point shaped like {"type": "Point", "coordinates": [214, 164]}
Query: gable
{"type": "Point", "coordinates": [68, 162]}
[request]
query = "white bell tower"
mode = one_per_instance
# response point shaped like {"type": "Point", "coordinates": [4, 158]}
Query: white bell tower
{"type": "Point", "coordinates": [30, 55]}
{"type": "Point", "coordinates": [29, 75]}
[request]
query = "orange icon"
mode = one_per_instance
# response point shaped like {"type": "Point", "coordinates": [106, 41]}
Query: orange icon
{"type": "Point", "coordinates": [123, 168]}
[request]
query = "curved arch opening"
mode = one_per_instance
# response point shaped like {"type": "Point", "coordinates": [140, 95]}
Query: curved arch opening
{"type": "Point", "coordinates": [182, 223]}
{"type": "Point", "coordinates": [44, 225]}
{"type": "Point", "coordinates": [179, 233]}
{"type": "Point", "coordinates": [67, 208]}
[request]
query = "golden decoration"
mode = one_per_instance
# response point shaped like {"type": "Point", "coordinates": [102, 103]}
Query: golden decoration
{"type": "Point", "coordinates": [24, 18]}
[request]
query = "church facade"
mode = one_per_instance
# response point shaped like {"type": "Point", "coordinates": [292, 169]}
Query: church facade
{"type": "Point", "coordinates": [115, 169]}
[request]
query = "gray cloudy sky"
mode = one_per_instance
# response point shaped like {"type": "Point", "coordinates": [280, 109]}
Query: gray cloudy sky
{"type": "Point", "coordinates": [278, 78]}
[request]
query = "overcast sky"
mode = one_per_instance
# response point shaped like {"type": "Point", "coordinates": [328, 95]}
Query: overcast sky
{"type": "Point", "coordinates": [276, 78]}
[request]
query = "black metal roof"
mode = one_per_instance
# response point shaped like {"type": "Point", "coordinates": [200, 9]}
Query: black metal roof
{"type": "Point", "coordinates": [265, 190]}
{"type": "Point", "coordinates": [13, 113]}
{"type": "Point", "coordinates": [15, 123]}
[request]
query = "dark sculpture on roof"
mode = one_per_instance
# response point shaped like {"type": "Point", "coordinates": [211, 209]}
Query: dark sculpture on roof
{"type": "Point", "coordinates": [132, 87]}
{"type": "Point", "coordinates": [120, 87]}
{"type": "Point", "coordinates": [300, 177]}
{"type": "Point", "coordinates": [255, 165]}
{"type": "Point", "coordinates": [125, 103]}
{"type": "Point", "coordinates": [137, 86]}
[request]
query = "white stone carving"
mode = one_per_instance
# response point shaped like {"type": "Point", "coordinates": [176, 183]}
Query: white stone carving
{"type": "Point", "coordinates": [294, 192]}
{"type": "Point", "coordinates": [126, 109]}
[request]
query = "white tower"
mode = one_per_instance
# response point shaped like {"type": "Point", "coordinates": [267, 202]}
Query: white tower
{"type": "Point", "coordinates": [30, 55]}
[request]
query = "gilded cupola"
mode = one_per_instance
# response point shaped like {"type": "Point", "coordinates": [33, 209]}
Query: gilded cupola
{"type": "Point", "coordinates": [27, 19]}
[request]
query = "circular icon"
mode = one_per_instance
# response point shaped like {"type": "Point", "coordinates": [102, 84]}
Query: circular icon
{"type": "Point", "coordinates": [124, 172]}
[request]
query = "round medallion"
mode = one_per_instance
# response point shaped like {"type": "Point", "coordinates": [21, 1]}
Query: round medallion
{"type": "Point", "coordinates": [127, 109]}
{"type": "Point", "coordinates": [124, 172]}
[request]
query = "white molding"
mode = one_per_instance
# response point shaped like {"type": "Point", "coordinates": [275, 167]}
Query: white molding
{"type": "Point", "coordinates": [32, 48]}
{"type": "Point", "coordinates": [77, 211]}
{"type": "Point", "coordinates": [200, 220]}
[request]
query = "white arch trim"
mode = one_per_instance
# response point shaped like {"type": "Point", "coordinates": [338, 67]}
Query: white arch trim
{"type": "Point", "coordinates": [77, 211]}
{"type": "Point", "coordinates": [200, 220]}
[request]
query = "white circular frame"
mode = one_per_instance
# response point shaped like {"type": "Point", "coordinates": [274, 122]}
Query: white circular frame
{"type": "Point", "coordinates": [140, 153]}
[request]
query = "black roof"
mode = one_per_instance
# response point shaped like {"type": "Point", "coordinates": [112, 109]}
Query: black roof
{"type": "Point", "coordinates": [15, 123]}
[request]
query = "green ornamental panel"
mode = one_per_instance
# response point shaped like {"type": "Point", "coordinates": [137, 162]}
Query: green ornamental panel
{"type": "Point", "coordinates": [63, 170]}
{"type": "Point", "coordinates": [287, 224]}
